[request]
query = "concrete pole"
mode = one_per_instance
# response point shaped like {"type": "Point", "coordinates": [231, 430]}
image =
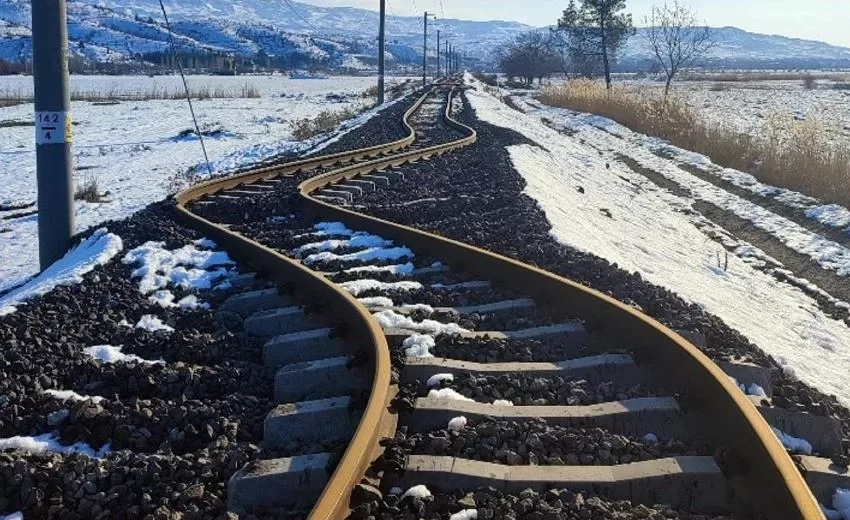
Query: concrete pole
{"type": "Point", "coordinates": [381, 43]}
{"type": "Point", "coordinates": [52, 130]}
{"type": "Point", "coordinates": [425, 53]}
{"type": "Point", "coordinates": [438, 53]}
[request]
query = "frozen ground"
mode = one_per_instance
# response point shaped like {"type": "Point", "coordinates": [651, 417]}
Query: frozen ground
{"type": "Point", "coordinates": [133, 149]}
{"type": "Point", "coordinates": [623, 215]}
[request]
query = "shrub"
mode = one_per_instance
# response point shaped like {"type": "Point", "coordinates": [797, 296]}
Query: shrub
{"type": "Point", "coordinates": [809, 82]}
{"type": "Point", "coordinates": [325, 121]}
{"type": "Point", "coordinates": [800, 155]}
{"type": "Point", "coordinates": [89, 191]}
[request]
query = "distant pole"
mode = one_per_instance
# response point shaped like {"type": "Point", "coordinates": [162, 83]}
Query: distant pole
{"type": "Point", "coordinates": [425, 52]}
{"type": "Point", "coordinates": [381, 42]}
{"type": "Point", "coordinates": [438, 53]}
{"type": "Point", "coordinates": [447, 57]}
{"type": "Point", "coordinates": [52, 130]}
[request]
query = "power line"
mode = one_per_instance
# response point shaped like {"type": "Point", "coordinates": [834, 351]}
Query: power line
{"type": "Point", "coordinates": [299, 15]}
{"type": "Point", "coordinates": [186, 86]}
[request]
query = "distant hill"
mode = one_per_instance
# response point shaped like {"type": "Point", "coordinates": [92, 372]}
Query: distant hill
{"type": "Point", "coordinates": [737, 48]}
{"type": "Point", "coordinates": [266, 32]}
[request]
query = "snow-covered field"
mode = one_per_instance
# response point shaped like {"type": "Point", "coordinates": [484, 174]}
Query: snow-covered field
{"type": "Point", "coordinates": [268, 85]}
{"type": "Point", "coordinates": [625, 217]}
{"type": "Point", "coordinates": [747, 105]}
{"type": "Point", "coordinates": [133, 149]}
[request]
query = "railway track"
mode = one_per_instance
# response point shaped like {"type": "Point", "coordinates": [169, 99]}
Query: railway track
{"type": "Point", "coordinates": [407, 360]}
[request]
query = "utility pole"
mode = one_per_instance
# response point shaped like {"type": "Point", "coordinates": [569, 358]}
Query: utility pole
{"type": "Point", "coordinates": [52, 130]}
{"type": "Point", "coordinates": [425, 50]}
{"type": "Point", "coordinates": [381, 42]}
{"type": "Point", "coordinates": [438, 53]}
{"type": "Point", "coordinates": [447, 57]}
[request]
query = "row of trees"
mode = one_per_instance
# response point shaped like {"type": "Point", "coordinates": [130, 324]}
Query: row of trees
{"type": "Point", "coordinates": [590, 33]}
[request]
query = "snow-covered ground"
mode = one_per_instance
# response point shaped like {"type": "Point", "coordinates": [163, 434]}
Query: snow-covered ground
{"type": "Point", "coordinates": [133, 149]}
{"type": "Point", "coordinates": [745, 106]}
{"type": "Point", "coordinates": [621, 215]}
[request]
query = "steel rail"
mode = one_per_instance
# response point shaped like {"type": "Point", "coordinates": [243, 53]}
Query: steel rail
{"type": "Point", "coordinates": [765, 477]}
{"type": "Point", "coordinates": [364, 329]}
{"type": "Point", "coordinates": [769, 474]}
{"type": "Point", "coordinates": [213, 186]}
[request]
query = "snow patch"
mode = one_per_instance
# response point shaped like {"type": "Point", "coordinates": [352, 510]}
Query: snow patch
{"type": "Point", "coordinates": [831, 215]}
{"type": "Point", "coordinates": [840, 504]}
{"type": "Point", "coordinates": [192, 302]}
{"type": "Point", "coordinates": [70, 395]}
{"type": "Point", "coordinates": [111, 354]}
{"type": "Point", "coordinates": [153, 324]}
{"type": "Point", "coordinates": [502, 402]}
{"type": "Point", "coordinates": [466, 514]}
{"type": "Point", "coordinates": [421, 307]}
{"type": "Point", "coordinates": [418, 346]}
{"type": "Point", "coordinates": [793, 444]}
{"type": "Point", "coordinates": [187, 267]}
{"type": "Point", "coordinates": [388, 319]}
{"type": "Point", "coordinates": [437, 379]}
{"type": "Point", "coordinates": [49, 443]}
{"type": "Point", "coordinates": [357, 240]}
{"type": "Point", "coordinates": [377, 302]}
{"type": "Point", "coordinates": [332, 228]}
{"type": "Point", "coordinates": [419, 491]}
{"type": "Point", "coordinates": [205, 243]}
{"type": "Point", "coordinates": [448, 393]}
{"type": "Point", "coordinates": [400, 270]}
{"type": "Point", "coordinates": [457, 424]}
{"type": "Point", "coordinates": [756, 390]}
{"type": "Point", "coordinates": [96, 250]}
{"type": "Point", "coordinates": [358, 287]}
{"type": "Point", "coordinates": [367, 255]}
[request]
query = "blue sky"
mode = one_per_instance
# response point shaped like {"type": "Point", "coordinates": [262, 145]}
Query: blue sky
{"type": "Point", "coordinates": [824, 20]}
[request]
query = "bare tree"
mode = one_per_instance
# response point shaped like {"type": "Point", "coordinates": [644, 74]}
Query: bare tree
{"type": "Point", "coordinates": [530, 55]}
{"type": "Point", "coordinates": [676, 39]}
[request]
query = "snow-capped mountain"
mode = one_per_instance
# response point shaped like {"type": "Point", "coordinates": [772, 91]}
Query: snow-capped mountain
{"type": "Point", "coordinates": [304, 35]}
{"type": "Point", "coordinates": [736, 48]}
{"type": "Point", "coordinates": [117, 30]}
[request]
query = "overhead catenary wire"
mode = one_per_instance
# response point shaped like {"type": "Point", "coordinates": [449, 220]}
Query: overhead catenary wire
{"type": "Point", "coordinates": [186, 87]}
{"type": "Point", "coordinates": [299, 15]}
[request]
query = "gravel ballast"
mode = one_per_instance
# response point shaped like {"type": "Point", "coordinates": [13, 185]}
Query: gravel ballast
{"type": "Point", "coordinates": [540, 444]}
{"type": "Point", "coordinates": [501, 212]}
{"type": "Point", "coordinates": [489, 503]}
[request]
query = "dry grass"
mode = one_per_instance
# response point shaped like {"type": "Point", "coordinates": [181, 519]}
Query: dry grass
{"type": "Point", "coordinates": [89, 191]}
{"type": "Point", "coordinates": [800, 155]}
{"type": "Point", "coordinates": [325, 121]}
{"type": "Point", "coordinates": [487, 79]}
{"type": "Point", "coordinates": [13, 97]}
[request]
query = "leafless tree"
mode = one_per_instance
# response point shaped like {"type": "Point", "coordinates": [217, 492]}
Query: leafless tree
{"type": "Point", "coordinates": [676, 39]}
{"type": "Point", "coordinates": [530, 55]}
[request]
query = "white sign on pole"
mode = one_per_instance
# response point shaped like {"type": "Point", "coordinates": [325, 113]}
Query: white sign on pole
{"type": "Point", "coordinates": [52, 128]}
